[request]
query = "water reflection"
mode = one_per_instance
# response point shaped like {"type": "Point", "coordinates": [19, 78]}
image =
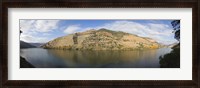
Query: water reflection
{"type": "Point", "coordinates": [50, 58]}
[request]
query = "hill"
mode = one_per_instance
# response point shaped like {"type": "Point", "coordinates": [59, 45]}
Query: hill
{"type": "Point", "coordinates": [37, 44]}
{"type": "Point", "coordinates": [26, 45]}
{"type": "Point", "coordinates": [102, 39]}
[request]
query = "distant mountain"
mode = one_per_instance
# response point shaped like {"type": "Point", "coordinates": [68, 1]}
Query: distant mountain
{"type": "Point", "coordinates": [102, 39]}
{"type": "Point", "coordinates": [174, 45]}
{"type": "Point", "coordinates": [26, 45]}
{"type": "Point", "coordinates": [37, 44]}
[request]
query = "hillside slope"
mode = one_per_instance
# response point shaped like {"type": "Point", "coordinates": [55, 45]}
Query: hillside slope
{"type": "Point", "coordinates": [26, 45]}
{"type": "Point", "coordinates": [102, 39]}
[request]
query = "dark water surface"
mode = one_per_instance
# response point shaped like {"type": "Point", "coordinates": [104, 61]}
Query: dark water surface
{"type": "Point", "coordinates": [50, 58]}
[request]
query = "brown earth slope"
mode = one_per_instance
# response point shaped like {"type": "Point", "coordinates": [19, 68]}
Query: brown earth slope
{"type": "Point", "coordinates": [102, 39]}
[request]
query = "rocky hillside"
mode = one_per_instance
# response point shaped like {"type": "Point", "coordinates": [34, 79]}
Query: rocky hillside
{"type": "Point", "coordinates": [102, 39]}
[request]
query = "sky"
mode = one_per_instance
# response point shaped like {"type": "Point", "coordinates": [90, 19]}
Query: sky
{"type": "Point", "coordinates": [42, 31]}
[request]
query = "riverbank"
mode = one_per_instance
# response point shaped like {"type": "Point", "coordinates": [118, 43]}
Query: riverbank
{"type": "Point", "coordinates": [25, 64]}
{"type": "Point", "coordinates": [172, 59]}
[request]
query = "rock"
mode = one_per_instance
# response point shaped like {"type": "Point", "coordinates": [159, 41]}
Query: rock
{"type": "Point", "coordinates": [25, 64]}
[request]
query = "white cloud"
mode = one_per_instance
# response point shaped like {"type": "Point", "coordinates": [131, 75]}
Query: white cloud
{"type": "Point", "coordinates": [26, 25]}
{"type": "Point", "coordinates": [45, 25]}
{"type": "Point", "coordinates": [38, 25]}
{"type": "Point", "coordinates": [33, 39]}
{"type": "Point", "coordinates": [32, 29]}
{"type": "Point", "coordinates": [72, 29]}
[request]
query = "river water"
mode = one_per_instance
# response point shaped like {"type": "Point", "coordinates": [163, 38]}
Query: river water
{"type": "Point", "coordinates": [51, 58]}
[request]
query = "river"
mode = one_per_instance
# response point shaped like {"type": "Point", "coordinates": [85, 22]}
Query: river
{"type": "Point", "coordinates": [51, 58]}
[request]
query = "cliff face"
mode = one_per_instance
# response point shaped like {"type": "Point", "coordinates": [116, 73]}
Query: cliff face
{"type": "Point", "coordinates": [102, 39]}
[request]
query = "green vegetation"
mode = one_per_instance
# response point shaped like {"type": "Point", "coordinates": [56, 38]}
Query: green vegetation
{"type": "Point", "coordinates": [141, 46]}
{"type": "Point", "coordinates": [118, 34]}
{"type": "Point", "coordinates": [171, 60]}
{"type": "Point", "coordinates": [176, 26]}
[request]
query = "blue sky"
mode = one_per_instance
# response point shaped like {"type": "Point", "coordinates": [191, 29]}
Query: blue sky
{"type": "Point", "coordinates": [42, 31]}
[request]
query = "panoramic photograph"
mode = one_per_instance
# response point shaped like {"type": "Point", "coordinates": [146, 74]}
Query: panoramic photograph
{"type": "Point", "coordinates": [106, 43]}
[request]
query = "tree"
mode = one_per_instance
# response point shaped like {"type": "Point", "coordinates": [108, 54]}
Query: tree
{"type": "Point", "coordinates": [176, 26]}
{"type": "Point", "coordinates": [172, 59]}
